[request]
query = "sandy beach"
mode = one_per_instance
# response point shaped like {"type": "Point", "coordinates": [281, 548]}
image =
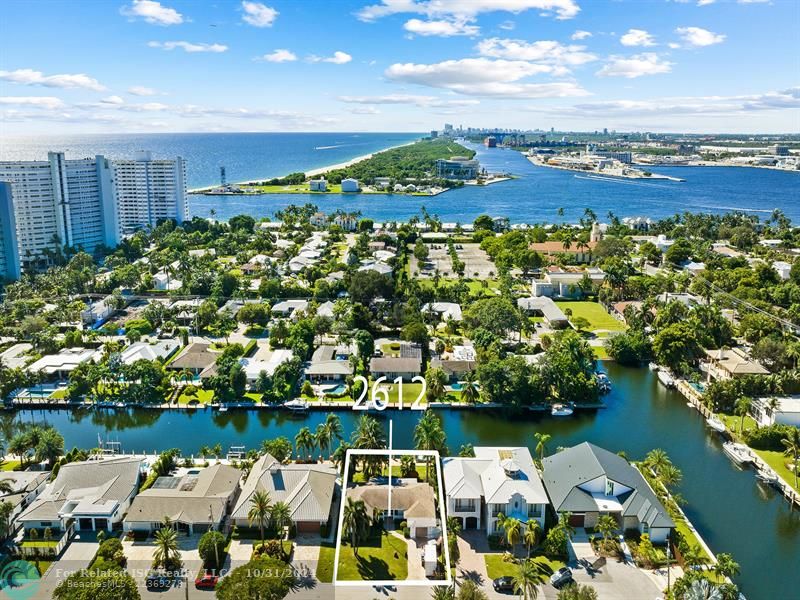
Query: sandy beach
{"type": "Point", "coordinates": [312, 172]}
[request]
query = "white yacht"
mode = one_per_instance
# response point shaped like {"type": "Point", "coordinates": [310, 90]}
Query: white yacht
{"type": "Point", "coordinates": [666, 379]}
{"type": "Point", "coordinates": [738, 453]}
{"type": "Point", "coordinates": [561, 410]}
{"type": "Point", "coordinates": [298, 404]}
{"type": "Point", "coordinates": [716, 423]}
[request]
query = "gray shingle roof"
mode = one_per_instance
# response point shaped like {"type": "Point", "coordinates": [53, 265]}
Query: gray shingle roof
{"type": "Point", "coordinates": [413, 498]}
{"type": "Point", "coordinates": [307, 489]}
{"type": "Point", "coordinates": [570, 468]}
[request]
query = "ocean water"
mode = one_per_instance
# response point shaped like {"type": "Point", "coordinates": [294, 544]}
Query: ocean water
{"type": "Point", "coordinates": [534, 196]}
{"type": "Point", "coordinates": [245, 156]}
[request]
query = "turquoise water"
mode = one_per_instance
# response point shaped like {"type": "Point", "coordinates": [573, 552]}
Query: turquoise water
{"type": "Point", "coordinates": [538, 192]}
{"type": "Point", "coordinates": [535, 196]}
{"type": "Point", "coordinates": [337, 390]}
{"type": "Point", "coordinates": [731, 511]}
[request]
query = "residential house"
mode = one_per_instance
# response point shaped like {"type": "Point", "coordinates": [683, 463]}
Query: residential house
{"type": "Point", "coordinates": [567, 283]}
{"type": "Point", "coordinates": [194, 500]}
{"type": "Point", "coordinates": [579, 253]}
{"type": "Point", "coordinates": [324, 366]}
{"type": "Point", "coordinates": [454, 369]}
{"type": "Point", "coordinates": [783, 268]}
{"type": "Point", "coordinates": [318, 185]}
{"type": "Point", "coordinates": [287, 308]}
{"type": "Point", "coordinates": [444, 310]}
{"type": "Point", "coordinates": [346, 222]}
{"type": "Point", "coordinates": [196, 358]}
{"type": "Point", "coordinates": [783, 410]}
{"type": "Point", "coordinates": [587, 481]}
{"type": "Point", "coordinates": [350, 185]}
{"type": "Point", "coordinates": [97, 312]}
{"type": "Point", "coordinates": [25, 488]}
{"type": "Point", "coordinates": [377, 266]}
{"type": "Point", "coordinates": [92, 494]}
{"type": "Point", "coordinates": [393, 367]}
{"type": "Point", "coordinates": [412, 502]}
{"type": "Point", "coordinates": [546, 308]}
{"type": "Point", "coordinates": [684, 298]}
{"type": "Point", "coordinates": [164, 282]}
{"type": "Point", "coordinates": [63, 363]}
{"type": "Point", "coordinates": [265, 361]}
{"type": "Point", "coordinates": [309, 490]}
{"type": "Point", "coordinates": [498, 480]}
{"type": "Point", "coordinates": [160, 350]}
{"type": "Point", "coordinates": [730, 363]}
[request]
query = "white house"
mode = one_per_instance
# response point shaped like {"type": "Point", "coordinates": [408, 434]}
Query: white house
{"type": "Point", "coordinates": [25, 488]}
{"type": "Point", "coordinates": [498, 480]}
{"type": "Point", "coordinates": [783, 268]}
{"type": "Point", "coordinates": [254, 366]}
{"type": "Point", "coordinates": [146, 351]}
{"type": "Point", "coordinates": [286, 308]}
{"type": "Point", "coordinates": [95, 494]}
{"type": "Point", "coordinates": [784, 410]}
{"type": "Point", "coordinates": [412, 502]}
{"type": "Point", "coordinates": [164, 282]}
{"type": "Point", "coordinates": [350, 185]}
{"type": "Point", "coordinates": [64, 362]}
{"type": "Point", "coordinates": [318, 185]}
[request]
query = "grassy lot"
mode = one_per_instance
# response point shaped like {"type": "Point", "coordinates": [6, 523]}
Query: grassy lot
{"type": "Point", "coordinates": [59, 394]}
{"type": "Point", "coordinates": [600, 352]}
{"type": "Point", "coordinates": [475, 286]}
{"type": "Point", "coordinates": [497, 567]}
{"type": "Point", "coordinates": [9, 465]}
{"type": "Point", "coordinates": [779, 462]}
{"type": "Point", "coordinates": [382, 557]}
{"type": "Point", "coordinates": [594, 313]}
{"type": "Point", "coordinates": [203, 396]}
{"type": "Point", "coordinates": [42, 566]}
{"type": "Point", "coordinates": [683, 527]}
{"type": "Point", "coordinates": [733, 422]}
{"type": "Point", "coordinates": [327, 554]}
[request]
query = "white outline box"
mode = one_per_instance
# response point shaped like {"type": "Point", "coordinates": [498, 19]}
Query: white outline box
{"type": "Point", "coordinates": [448, 580]}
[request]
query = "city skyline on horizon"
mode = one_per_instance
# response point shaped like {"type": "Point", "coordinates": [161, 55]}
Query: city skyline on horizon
{"type": "Point", "coordinates": [174, 66]}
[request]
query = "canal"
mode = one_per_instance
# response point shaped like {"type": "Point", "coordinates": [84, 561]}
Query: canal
{"type": "Point", "coordinates": [731, 511]}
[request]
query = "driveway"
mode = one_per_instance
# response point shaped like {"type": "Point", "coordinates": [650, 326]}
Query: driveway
{"type": "Point", "coordinates": [77, 555]}
{"type": "Point", "coordinates": [140, 559]}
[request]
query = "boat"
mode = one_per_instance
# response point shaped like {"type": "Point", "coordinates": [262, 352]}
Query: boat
{"type": "Point", "coordinates": [561, 410]}
{"type": "Point", "coordinates": [716, 423]}
{"type": "Point", "coordinates": [298, 404]}
{"type": "Point", "coordinates": [767, 477]}
{"type": "Point", "coordinates": [652, 366]}
{"type": "Point", "coordinates": [666, 379]}
{"type": "Point", "coordinates": [604, 383]}
{"type": "Point", "coordinates": [223, 409]}
{"type": "Point", "coordinates": [738, 453]}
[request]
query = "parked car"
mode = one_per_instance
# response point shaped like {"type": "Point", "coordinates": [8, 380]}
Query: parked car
{"type": "Point", "coordinates": [560, 577]}
{"type": "Point", "coordinates": [503, 584]}
{"type": "Point", "coordinates": [157, 580]}
{"type": "Point", "coordinates": [206, 581]}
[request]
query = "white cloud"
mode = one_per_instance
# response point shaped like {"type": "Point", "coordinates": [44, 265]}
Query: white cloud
{"type": "Point", "coordinates": [152, 12]}
{"type": "Point", "coordinates": [730, 106]}
{"type": "Point", "coordinates": [189, 46]}
{"type": "Point", "coordinates": [416, 100]}
{"type": "Point", "coordinates": [507, 25]}
{"type": "Point", "coordinates": [705, 2]}
{"type": "Point", "coordinates": [279, 56]}
{"type": "Point", "coordinates": [697, 37]}
{"type": "Point", "coordinates": [338, 58]}
{"type": "Point", "coordinates": [113, 100]}
{"type": "Point", "coordinates": [543, 51]}
{"type": "Point", "coordinates": [65, 80]}
{"type": "Point", "coordinates": [47, 102]}
{"type": "Point", "coordinates": [753, 1]}
{"type": "Point", "coordinates": [637, 37]}
{"type": "Point", "coordinates": [364, 110]}
{"type": "Point", "coordinates": [140, 90]}
{"type": "Point", "coordinates": [580, 34]}
{"type": "Point", "coordinates": [638, 65]}
{"type": "Point", "coordinates": [468, 10]}
{"type": "Point", "coordinates": [441, 28]}
{"type": "Point", "coordinates": [484, 77]}
{"type": "Point", "coordinates": [258, 15]}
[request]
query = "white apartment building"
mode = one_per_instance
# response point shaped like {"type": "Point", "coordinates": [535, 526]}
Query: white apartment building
{"type": "Point", "coordinates": [84, 203]}
{"type": "Point", "coordinates": [148, 190]}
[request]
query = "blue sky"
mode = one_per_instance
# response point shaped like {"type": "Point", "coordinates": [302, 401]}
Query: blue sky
{"type": "Point", "coordinates": [399, 65]}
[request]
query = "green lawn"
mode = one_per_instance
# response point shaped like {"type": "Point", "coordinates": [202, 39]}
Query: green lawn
{"type": "Point", "coordinates": [594, 313]}
{"type": "Point", "coordinates": [59, 394]}
{"type": "Point", "coordinates": [42, 565]}
{"type": "Point", "coordinates": [733, 422]}
{"type": "Point", "coordinates": [475, 286]}
{"type": "Point", "coordinates": [382, 557]}
{"type": "Point", "coordinates": [600, 352]}
{"type": "Point", "coordinates": [682, 526]}
{"type": "Point", "coordinates": [203, 396]}
{"type": "Point", "coordinates": [9, 465]}
{"type": "Point", "coordinates": [779, 462]}
{"type": "Point", "coordinates": [327, 554]}
{"type": "Point", "coordinates": [497, 567]}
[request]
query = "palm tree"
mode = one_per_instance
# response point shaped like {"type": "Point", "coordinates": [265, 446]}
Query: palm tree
{"type": "Point", "coordinates": [725, 566]}
{"type": "Point", "coordinates": [533, 533]}
{"type": "Point", "coordinates": [670, 476]}
{"type": "Point", "coordinates": [792, 444]}
{"type": "Point", "coordinates": [216, 450]}
{"type": "Point", "coordinates": [657, 460]}
{"type": "Point", "coordinates": [513, 530]}
{"type": "Point", "coordinates": [204, 451]}
{"type": "Point", "coordinates": [355, 523]}
{"type": "Point", "coordinates": [541, 446]}
{"type": "Point", "coordinates": [469, 390]}
{"type": "Point", "coordinates": [693, 556]}
{"type": "Point", "coordinates": [741, 408]}
{"type": "Point", "coordinates": [334, 426]}
{"type": "Point", "coordinates": [259, 512]}
{"type": "Point", "coordinates": [606, 525]}
{"type": "Point", "coordinates": [429, 435]}
{"type": "Point", "coordinates": [6, 486]}
{"type": "Point", "coordinates": [531, 574]}
{"type": "Point", "coordinates": [50, 446]}
{"type": "Point", "coordinates": [280, 515]}
{"type": "Point", "coordinates": [323, 439]}
{"type": "Point", "coordinates": [166, 550]}
{"type": "Point", "coordinates": [339, 455]}
{"type": "Point", "coordinates": [369, 435]}
{"type": "Point", "coordinates": [305, 442]}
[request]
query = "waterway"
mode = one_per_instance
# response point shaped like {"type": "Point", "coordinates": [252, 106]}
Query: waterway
{"type": "Point", "coordinates": [537, 193]}
{"type": "Point", "coordinates": [731, 511]}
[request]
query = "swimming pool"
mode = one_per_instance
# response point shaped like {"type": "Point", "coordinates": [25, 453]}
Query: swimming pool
{"type": "Point", "coordinates": [336, 390]}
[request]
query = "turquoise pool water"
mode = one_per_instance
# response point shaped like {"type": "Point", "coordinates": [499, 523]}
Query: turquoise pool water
{"type": "Point", "coordinates": [337, 390]}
